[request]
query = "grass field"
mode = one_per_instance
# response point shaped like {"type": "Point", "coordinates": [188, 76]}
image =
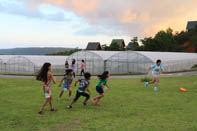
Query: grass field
{"type": "Point", "coordinates": [127, 106]}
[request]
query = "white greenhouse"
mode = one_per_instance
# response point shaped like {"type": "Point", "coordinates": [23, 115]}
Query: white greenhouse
{"type": "Point", "coordinates": [117, 62]}
{"type": "Point", "coordinates": [95, 60]}
{"type": "Point", "coordinates": [128, 62]}
{"type": "Point", "coordinates": [30, 64]}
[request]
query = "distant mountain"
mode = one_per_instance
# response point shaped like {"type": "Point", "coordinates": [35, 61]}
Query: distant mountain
{"type": "Point", "coordinates": [33, 51]}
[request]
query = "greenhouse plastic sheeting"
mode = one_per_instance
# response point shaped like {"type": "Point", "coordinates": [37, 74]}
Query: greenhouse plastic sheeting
{"type": "Point", "coordinates": [30, 64]}
{"type": "Point", "coordinates": [117, 62]}
{"type": "Point", "coordinates": [173, 61]}
{"type": "Point", "coordinates": [94, 60]}
{"type": "Point", "coordinates": [125, 62]}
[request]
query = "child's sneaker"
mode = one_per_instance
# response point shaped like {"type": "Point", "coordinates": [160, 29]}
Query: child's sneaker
{"type": "Point", "coordinates": [105, 88]}
{"type": "Point", "coordinates": [41, 112]}
{"type": "Point", "coordinates": [53, 110]}
{"type": "Point", "coordinates": [85, 104]}
{"type": "Point", "coordinates": [69, 107]}
{"type": "Point", "coordinates": [98, 104]}
{"type": "Point", "coordinates": [94, 101]}
{"type": "Point", "coordinates": [146, 84]}
{"type": "Point", "coordinates": [68, 98]}
{"type": "Point", "coordinates": [59, 99]}
{"type": "Point", "coordinates": [155, 89]}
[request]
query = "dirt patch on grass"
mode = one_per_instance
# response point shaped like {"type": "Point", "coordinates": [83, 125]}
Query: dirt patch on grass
{"type": "Point", "coordinates": [74, 126]}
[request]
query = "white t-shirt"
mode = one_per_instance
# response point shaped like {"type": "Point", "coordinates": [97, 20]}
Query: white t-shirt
{"type": "Point", "coordinates": [156, 69]}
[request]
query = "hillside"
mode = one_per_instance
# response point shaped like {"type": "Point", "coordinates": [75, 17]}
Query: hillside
{"type": "Point", "coordinates": [33, 51]}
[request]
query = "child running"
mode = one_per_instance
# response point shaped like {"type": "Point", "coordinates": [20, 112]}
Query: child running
{"type": "Point", "coordinates": [101, 86]}
{"type": "Point", "coordinates": [67, 85]}
{"type": "Point", "coordinates": [83, 86]}
{"type": "Point", "coordinates": [46, 77]}
{"type": "Point", "coordinates": [157, 69]}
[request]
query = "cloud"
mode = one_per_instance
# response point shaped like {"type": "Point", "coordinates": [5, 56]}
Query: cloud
{"type": "Point", "coordinates": [19, 9]}
{"type": "Point", "coordinates": [128, 17]}
{"type": "Point", "coordinates": [79, 7]}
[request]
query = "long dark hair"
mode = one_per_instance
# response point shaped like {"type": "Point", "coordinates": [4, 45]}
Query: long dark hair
{"type": "Point", "coordinates": [104, 75]}
{"type": "Point", "coordinates": [42, 75]}
{"type": "Point", "coordinates": [68, 71]}
{"type": "Point", "coordinates": [66, 63]}
{"type": "Point", "coordinates": [73, 62]}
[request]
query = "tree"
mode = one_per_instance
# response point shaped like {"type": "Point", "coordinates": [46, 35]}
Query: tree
{"type": "Point", "coordinates": [114, 47]}
{"type": "Point", "coordinates": [66, 53]}
{"type": "Point", "coordinates": [133, 45]}
{"type": "Point", "coordinates": [187, 40]}
{"type": "Point", "coordinates": [148, 44]}
{"type": "Point", "coordinates": [184, 41]}
{"type": "Point", "coordinates": [163, 41]}
{"type": "Point", "coordinates": [193, 37]}
{"type": "Point", "coordinates": [104, 47]}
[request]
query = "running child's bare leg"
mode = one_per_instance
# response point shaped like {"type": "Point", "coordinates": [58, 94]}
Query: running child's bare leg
{"type": "Point", "coordinates": [44, 104]}
{"type": "Point", "coordinates": [156, 82]}
{"type": "Point", "coordinates": [51, 103]}
{"type": "Point", "coordinates": [153, 81]}
{"type": "Point", "coordinates": [72, 103]}
{"type": "Point", "coordinates": [70, 92]}
{"type": "Point", "coordinates": [61, 93]}
{"type": "Point", "coordinates": [99, 97]}
{"type": "Point", "coordinates": [96, 99]}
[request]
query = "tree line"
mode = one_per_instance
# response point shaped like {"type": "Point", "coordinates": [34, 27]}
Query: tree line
{"type": "Point", "coordinates": [163, 41]}
{"type": "Point", "coordinates": [65, 53]}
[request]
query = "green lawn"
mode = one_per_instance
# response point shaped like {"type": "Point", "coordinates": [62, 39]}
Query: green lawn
{"type": "Point", "coordinates": [127, 106]}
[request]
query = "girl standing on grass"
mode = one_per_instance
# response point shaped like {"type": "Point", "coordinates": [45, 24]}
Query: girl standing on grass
{"type": "Point", "coordinates": [46, 77]}
{"type": "Point", "coordinates": [157, 69]}
{"type": "Point", "coordinates": [83, 86]}
{"type": "Point", "coordinates": [101, 86]}
{"type": "Point", "coordinates": [66, 65]}
{"type": "Point", "coordinates": [73, 67]}
{"type": "Point", "coordinates": [67, 85]}
{"type": "Point", "coordinates": [82, 68]}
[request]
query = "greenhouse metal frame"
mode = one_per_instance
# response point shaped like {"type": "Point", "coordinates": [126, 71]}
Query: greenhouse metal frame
{"type": "Point", "coordinates": [132, 62]}
{"type": "Point", "coordinates": [11, 64]}
{"type": "Point", "coordinates": [117, 62]}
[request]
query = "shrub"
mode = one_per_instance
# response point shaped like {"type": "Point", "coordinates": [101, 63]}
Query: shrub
{"type": "Point", "coordinates": [194, 66]}
{"type": "Point", "coordinates": [146, 79]}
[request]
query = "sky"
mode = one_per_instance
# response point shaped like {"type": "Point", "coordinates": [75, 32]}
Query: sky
{"type": "Point", "coordinates": [74, 23]}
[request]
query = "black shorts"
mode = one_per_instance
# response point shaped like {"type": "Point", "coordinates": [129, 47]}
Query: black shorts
{"type": "Point", "coordinates": [99, 90]}
{"type": "Point", "coordinates": [78, 94]}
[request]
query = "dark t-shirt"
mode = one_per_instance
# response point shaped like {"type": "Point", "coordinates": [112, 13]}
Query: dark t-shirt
{"type": "Point", "coordinates": [67, 80]}
{"type": "Point", "coordinates": [83, 84]}
{"type": "Point", "coordinates": [66, 66]}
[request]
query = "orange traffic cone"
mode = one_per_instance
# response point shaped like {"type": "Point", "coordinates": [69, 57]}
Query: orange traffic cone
{"type": "Point", "coordinates": [183, 89]}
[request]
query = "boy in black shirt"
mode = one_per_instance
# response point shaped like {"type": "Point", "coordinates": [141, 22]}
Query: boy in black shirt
{"type": "Point", "coordinates": [83, 86]}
